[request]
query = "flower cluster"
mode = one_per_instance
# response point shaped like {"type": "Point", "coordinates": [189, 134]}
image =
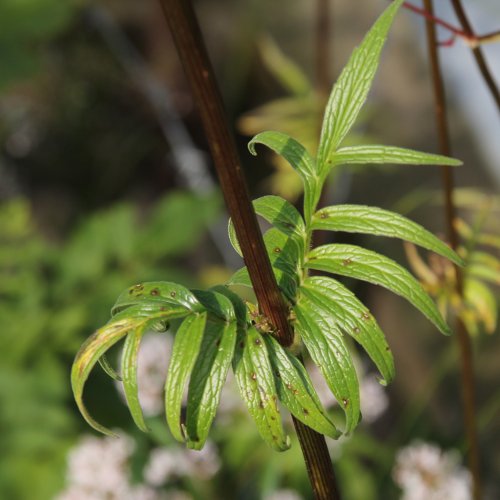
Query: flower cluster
{"type": "Point", "coordinates": [425, 472]}
{"type": "Point", "coordinates": [374, 400]}
{"type": "Point", "coordinates": [99, 469]}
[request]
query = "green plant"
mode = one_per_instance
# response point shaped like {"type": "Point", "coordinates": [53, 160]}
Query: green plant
{"type": "Point", "coordinates": [216, 330]}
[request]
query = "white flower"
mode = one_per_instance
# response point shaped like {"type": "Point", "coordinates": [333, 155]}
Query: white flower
{"type": "Point", "coordinates": [283, 495]}
{"type": "Point", "coordinates": [98, 469]}
{"type": "Point", "coordinates": [152, 365]}
{"type": "Point", "coordinates": [204, 463]}
{"type": "Point", "coordinates": [143, 492]}
{"type": "Point", "coordinates": [165, 464]}
{"type": "Point", "coordinates": [374, 400]}
{"type": "Point", "coordinates": [324, 393]}
{"type": "Point", "coordinates": [425, 472]}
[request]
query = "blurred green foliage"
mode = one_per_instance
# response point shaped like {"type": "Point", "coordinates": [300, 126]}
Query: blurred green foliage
{"type": "Point", "coordinates": [23, 25]}
{"type": "Point", "coordinates": [52, 296]}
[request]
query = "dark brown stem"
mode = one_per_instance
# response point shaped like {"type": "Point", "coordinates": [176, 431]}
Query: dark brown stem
{"type": "Point", "coordinates": [193, 55]}
{"type": "Point", "coordinates": [468, 388]}
{"type": "Point", "coordinates": [477, 52]}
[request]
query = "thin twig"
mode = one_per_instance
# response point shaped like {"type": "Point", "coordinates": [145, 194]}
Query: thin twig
{"type": "Point", "coordinates": [193, 55]}
{"type": "Point", "coordinates": [467, 35]}
{"type": "Point", "coordinates": [468, 388]}
{"type": "Point", "coordinates": [477, 52]}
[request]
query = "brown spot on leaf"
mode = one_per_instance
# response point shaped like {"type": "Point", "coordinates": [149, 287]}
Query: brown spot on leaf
{"type": "Point", "coordinates": [346, 262]}
{"type": "Point", "coordinates": [345, 402]}
{"type": "Point", "coordinates": [173, 294]}
{"type": "Point", "coordinates": [323, 215]}
{"type": "Point", "coordinates": [277, 250]}
{"type": "Point", "coordinates": [306, 411]}
{"type": "Point", "coordinates": [253, 376]}
{"type": "Point", "coordinates": [155, 292]}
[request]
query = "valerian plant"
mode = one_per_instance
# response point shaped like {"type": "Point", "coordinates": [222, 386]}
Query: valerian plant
{"type": "Point", "coordinates": [217, 331]}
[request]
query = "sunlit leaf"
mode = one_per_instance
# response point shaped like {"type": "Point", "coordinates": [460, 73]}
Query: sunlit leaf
{"type": "Point", "coordinates": [295, 390]}
{"type": "Point", "coordinates": [351, 89]}
{"type": "Point", "coordinates": [281, 214]}
{"type": "Point", "coordinates": [323, 340]}
{"type": "Point", "coordinates": [299, 159]}
{"type": "Point", "coordinates": [485, 266]}
{"type": "Point", "coordinates": [239, 307]}
{"type": "Point", "coordinates": [284, 256]}
{"type": "Point", "coordinates": [210, 370]}
{"type": "Point", "coordinates": [288, 74]}
{"type": "Point", "coordinates": [129, 374]}
{"type": "Point", "coordinates": [103, 339]}
{"type": "Point", "coordinates": [185, 351]}
{"type": "Point", "coordinates": [335, 300]}
{"type": "Point", "coordinates": [376, 221]}
{"type": "Point", "coordinates": [254, 375]}
{"type": "Point", "coordinates": [359, 263]}
{"type": "Point", "coordinates": [484, 303]}
{"type": "Point", "coordinates": [157, 294]}
{"type": "Point", "coordinates": [106, 366]}
{"type": "Point", "coordinates": [361, 155]}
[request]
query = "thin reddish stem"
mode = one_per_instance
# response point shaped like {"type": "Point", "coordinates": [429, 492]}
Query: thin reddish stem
{"type": "Point", "coordinates": [465, 33]}
{"type": "Point", "coordinates": [466, 357]}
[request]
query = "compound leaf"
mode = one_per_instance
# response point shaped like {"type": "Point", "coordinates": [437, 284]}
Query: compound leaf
{"type": "Point", "coordinates": [359, 263]}
{"type": "Point", "coordinates": [374, 153]}
{"type": "Point", "coordinates": [284, 255]}
{"type": "Point", "coordinates": [295, 390]}
{"type": "Point", "coordinates": [157, 294]}
{"type": "Point", "coordinates": [129, 374]}
{"type": "Point", "coordinates": [299, 158]}
{"type": "Point", "coordinates": [353, 318]}
{"type": "Point", "coordinates": [103, 339]}
{"type": "Point", "coordinates": [210, 370]}
{"type": "Point", "coordinates": [108, 369]}
{"type": "Point", "coordinates": [480, 297]}
{"type": "Point", "coordinates": [254, 375]}
{"type": "Point", "coordinates": [379, 222]}
{"type": "Point", "coordinates": [323, 340]}
{"type": "Point", "coordinates": [185, 351]}
{"type": "Point", "coordinates": [351, 89]}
